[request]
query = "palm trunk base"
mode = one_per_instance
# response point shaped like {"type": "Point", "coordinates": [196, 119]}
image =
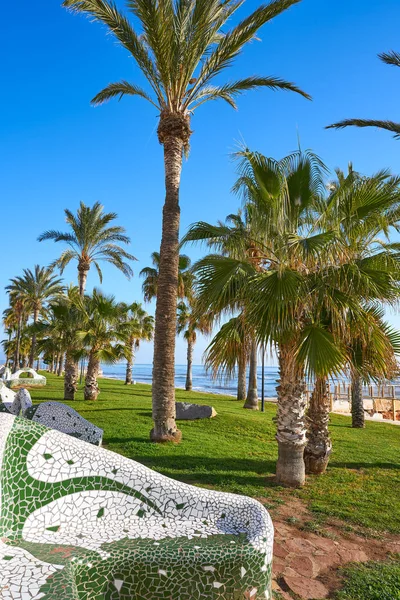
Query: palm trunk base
{"type": "Point", "coordinates": [357, 403]}
{"type": "Point", "coordinates": [319, 444]}
{"type": "Point", "coordinates": [189, 376]}
{"type": "Point", "coordinates": [252, 393]}
{"type": "Point", "coordinates": [241, 392]}
{"type": "Point", "coordinates": [242, 377]}
{"type": "Point", "coordinates": [316, 459]}
{"type": "Point", "coordinates": [69, 393]}
{"type": "Point", "coordinates": [128, 375]}
{"type": "Point", "coordinates": [167, 432]}
{"type": "Point", "coordinates": [70, 379]}
{"type": "Point", "coordinates": [91, 391]}
{"type": "Point", "coordinates": [290, 469]}
{"type": "Point", "coordinates": [252, 400]}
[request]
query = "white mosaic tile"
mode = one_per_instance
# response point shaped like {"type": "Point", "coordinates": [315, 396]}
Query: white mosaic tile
{"type": "Point", "coordinates": [121, 530]}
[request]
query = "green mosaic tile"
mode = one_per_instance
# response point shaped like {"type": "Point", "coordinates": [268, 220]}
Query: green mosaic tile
{"type": "Point", "coordinates": [81, 523]}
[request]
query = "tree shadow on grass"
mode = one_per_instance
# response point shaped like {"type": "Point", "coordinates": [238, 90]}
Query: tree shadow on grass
{"type": "Point", "coordinates": [365, 465]}
{"type": "Point", "coordinates": [234, 472]}
{"type": "Point", "coordinates": [128, 392]}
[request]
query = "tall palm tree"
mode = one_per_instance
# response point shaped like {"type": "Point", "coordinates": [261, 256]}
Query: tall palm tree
{"type": "Point", "coordinates": [390, 58]}
{"type": "Point", "coordinates": [91, 240]}
{"type": "Point", "coordinates": [181, 48]}
{"type": "Point", "coordinates": [188, 324]}
{"type": "Point", "coordinates": [103, 334]}
{"type": "Point", "coordinates": [58, 334]}
{"type": "Point", "coordinates": [17, 317]}
{"type": "Point", "coordinates": [140, 328]}
{"type": "Point", "coordinates": [7, 343]}
{"type": "Point", "coordinates": [151, 275]}
{"type": "Point", "coordinates": [36, 288]}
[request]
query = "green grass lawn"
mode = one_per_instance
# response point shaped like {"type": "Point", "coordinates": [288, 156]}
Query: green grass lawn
{"type": "Point", "coordinates": [236, 452]}
{"type": "Point", "coordinates": [372, 581]}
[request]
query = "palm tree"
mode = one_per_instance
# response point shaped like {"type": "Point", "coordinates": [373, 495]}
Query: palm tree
{"type": "Point", "coordinates": [364, 210]}
{"type": "Point", "coordinates": [390, 58]}
{"type": "Point", "coordinates": [181, 48]}
{"type": "Point", "coordinates": [103, 334]}
{"type": "Point", "coordinates": [227, 353]}
{"type": "Point", "coordinates": [372, 347]}
{"type": "Point", "coordinates": [36, 288]}
{"type": "Point", "coordinates": [361, 210]}
{"type": "Point", "coordinates": [7, 343]}
{"type": "Point", "coordinates": [234, 238]}
{"type": "Point", "coordinates": [16, 316]}
{"type": "Point", "coordinates": [188, 324]}
{"type": "Point", "coordinates": [285, 291]}
{"type": "Point", "coordinates": [140, 328]}
{"type": "Point", "coordinates": [151, 277]}
{"type": "Point", "coordinates": [58, 335]}
{"type": "Point", "coordinates": [91, 240]}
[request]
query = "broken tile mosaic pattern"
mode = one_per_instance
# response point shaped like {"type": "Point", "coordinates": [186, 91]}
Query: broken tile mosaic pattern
{"type": "Point", "coordinates": [82, 523]}
{"type": "Point", "coordinates": [20, 378]}
{"type": "Point", "coordinates": [52, 414]}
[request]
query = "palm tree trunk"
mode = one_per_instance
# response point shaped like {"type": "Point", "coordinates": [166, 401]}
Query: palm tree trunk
{"type": "Point", "coordinates": [82, 278]}
{"type": "Point", "coordinates": [25, 361]}
{"type": "Point", "coordinates": [189, 374]}
{"type": "Point", "coordinates": [128, 374]}
{"type": "Point", "coordinates": [129, 365]}
{"type": "Point", "coordinates": [252, 393]}
{"type": "Point", "coordinates": [319, 444]}
{"type": "Point", "coordinates": [17, 345]}
{"type": "Point", "coordinates": [71, 378]}
{"type": "Point", "coordinates": [60, 364]}
{"type": "Point", "coordinates": [92, 390]}
{"type": "Point", "coordinates": [242, 375]}
{"type": "Point", "coordinates": [357, 402]}
{"type": "Point", "coordinates": [173, 133]}
{"type": "Point", "coordinates": [33, 343]}
{"type": "Point", "coordinates": [291, 431]}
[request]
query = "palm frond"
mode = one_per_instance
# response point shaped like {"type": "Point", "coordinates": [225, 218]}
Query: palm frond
{"type": "Point", "coordinates": [108, 13]}
{"type": "Point", "coordinates": [390, 58]}
{"type": "Point", "coordinates": [230, 46]}
{"type": "Point", "coordinates": [119, 90]}
{"type": "Point", "coordinates": [388, 125]}
{"type": "Point", "coordinates": [229, 91]}
{"type": "Point", "coordinates": [319, 352]}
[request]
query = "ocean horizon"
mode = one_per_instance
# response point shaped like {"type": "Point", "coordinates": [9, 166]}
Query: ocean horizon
{"type": "Point", "coordinates": [202, 382]}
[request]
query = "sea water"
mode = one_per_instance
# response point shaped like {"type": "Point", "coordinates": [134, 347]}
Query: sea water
{"type": "Point", "coordinates": [202, 382]}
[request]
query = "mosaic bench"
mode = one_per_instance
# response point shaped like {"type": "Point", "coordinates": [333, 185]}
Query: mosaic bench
{"type": "Point", "coordinates": [78, 522]}
{"type": "Point", "coordinates": [51, 414]}
{"type": "Point", "coordinates": [16, 380]}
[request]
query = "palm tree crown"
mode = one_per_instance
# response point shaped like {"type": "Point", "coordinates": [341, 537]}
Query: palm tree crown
{"type": "Point", "coordinates": [34, 289]}
{"type": "Point", "coordinates": [151, 274]}
{"type": "Point", "coordinates": [90, 241]}
{"type": "Point", "coordinates": [182, 48]}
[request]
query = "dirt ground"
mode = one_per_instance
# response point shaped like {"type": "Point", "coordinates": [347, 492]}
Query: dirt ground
{"type": "Point", "coordinates": [308, 554]}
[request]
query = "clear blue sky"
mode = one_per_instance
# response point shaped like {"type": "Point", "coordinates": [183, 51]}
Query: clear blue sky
{"type": "Point", "coordinates": [56, 150]}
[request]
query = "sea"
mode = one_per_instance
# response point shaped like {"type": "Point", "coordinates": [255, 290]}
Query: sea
{"type": "Point", "coordinates": [202, 382]}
